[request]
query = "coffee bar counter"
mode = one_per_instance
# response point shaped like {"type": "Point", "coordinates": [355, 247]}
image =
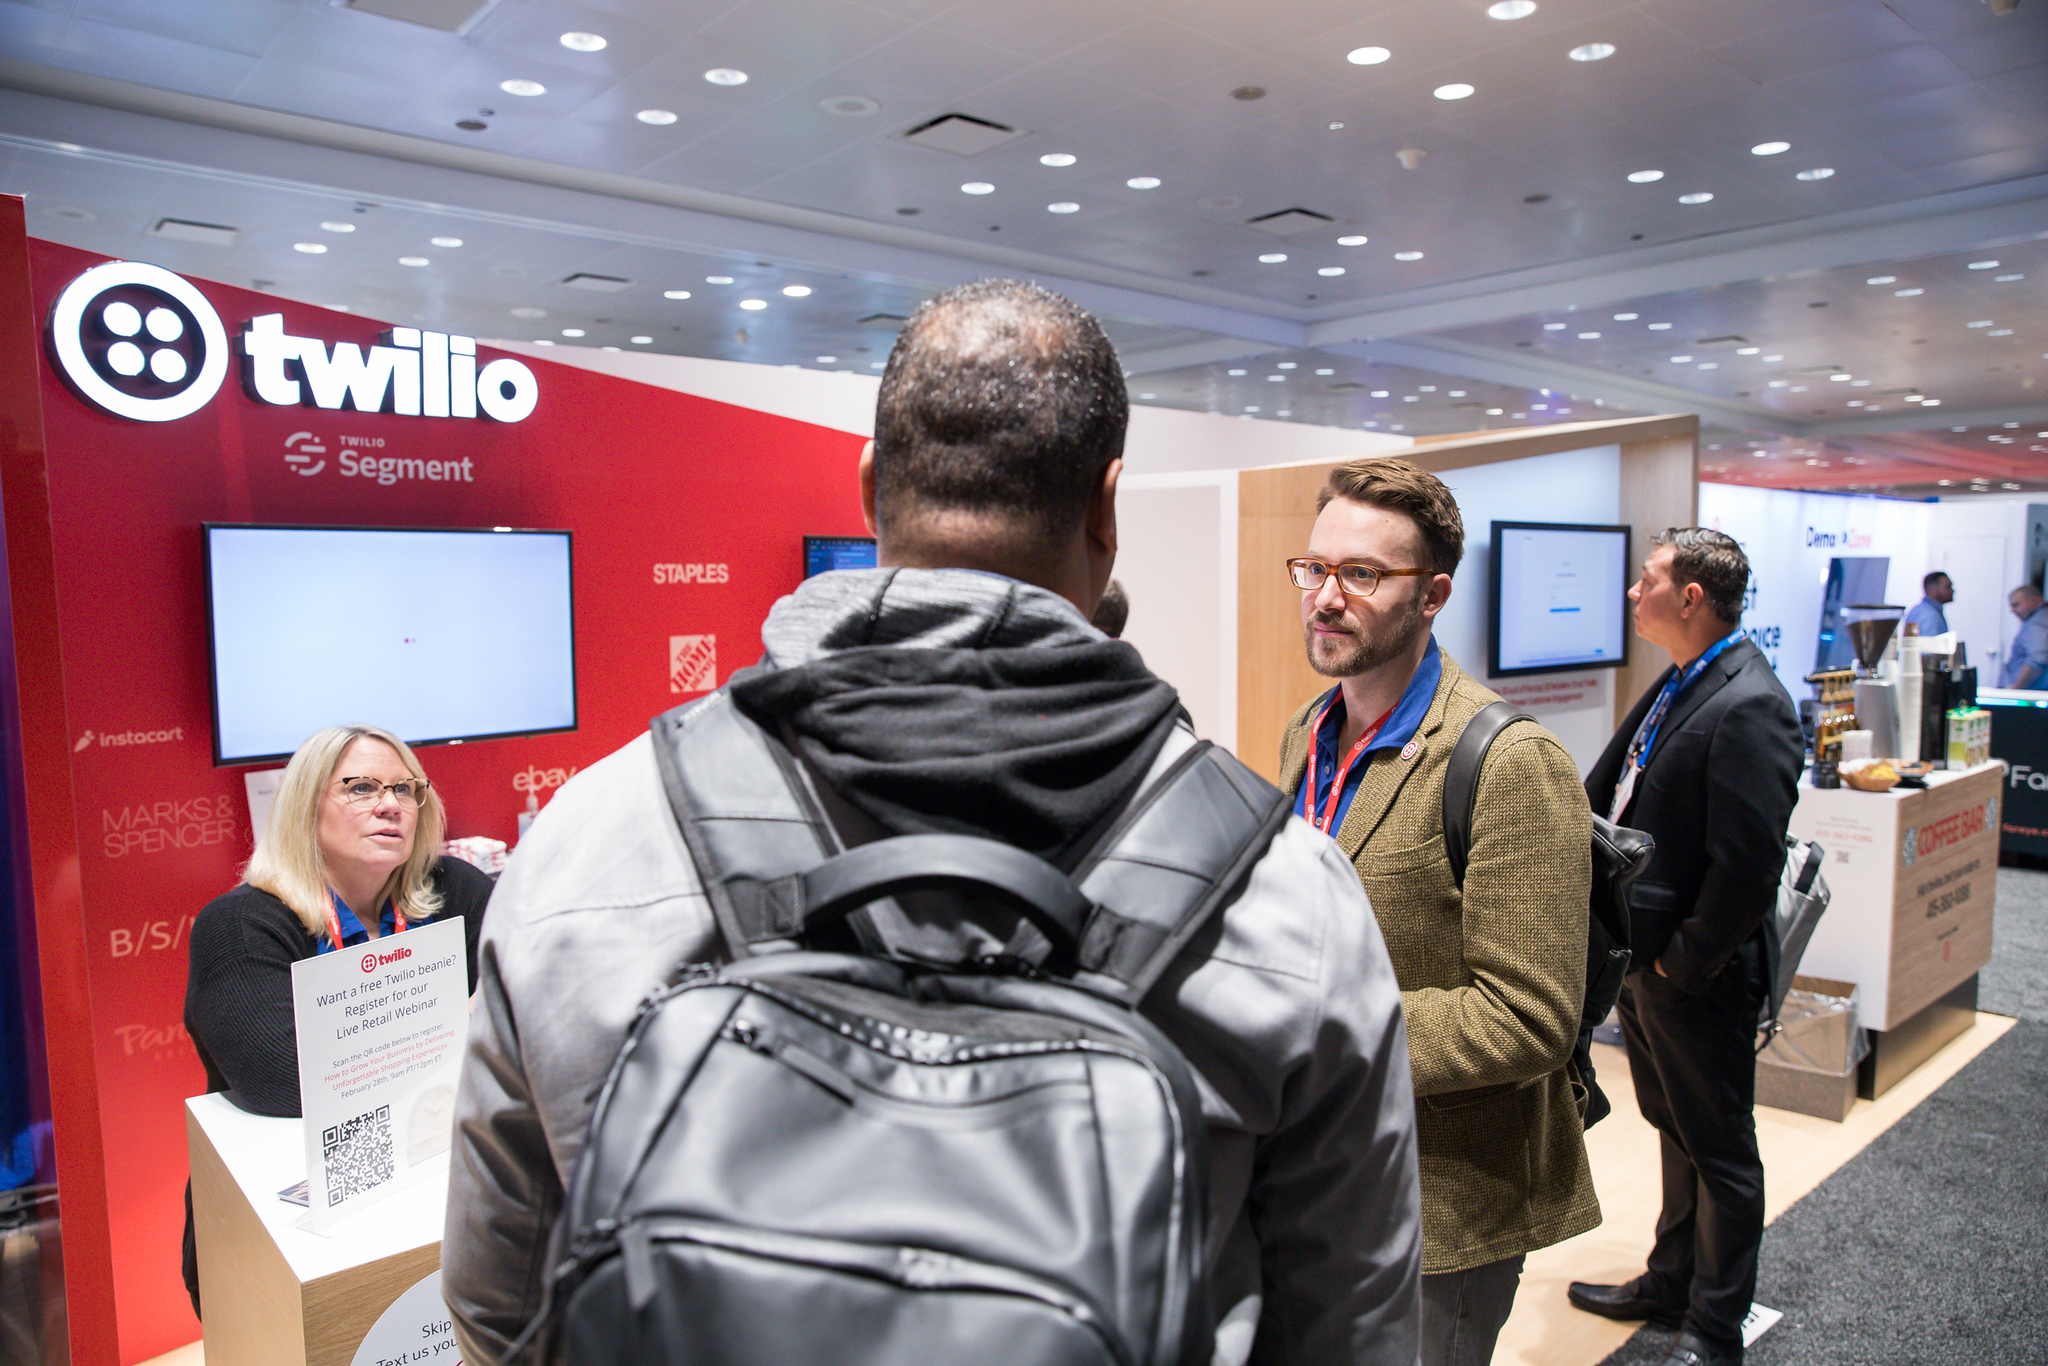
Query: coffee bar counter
{"type": "Point", "coordinates": [1914, 875]}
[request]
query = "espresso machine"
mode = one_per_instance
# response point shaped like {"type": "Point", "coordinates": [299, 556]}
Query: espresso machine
{"type": "Point", "coordinates": [1870, 626]}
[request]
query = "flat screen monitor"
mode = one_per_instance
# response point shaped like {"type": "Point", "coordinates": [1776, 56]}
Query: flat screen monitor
{"type": "Point", "coordinates": [1559, 598]}
{"type": "Point", "coordinates": [825, 553]}
{"type": "Point", "coordinates": [432, 635]}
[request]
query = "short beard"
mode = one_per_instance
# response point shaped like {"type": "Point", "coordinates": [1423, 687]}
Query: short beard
{"type": "Point", "coordinates": [1369, 653]}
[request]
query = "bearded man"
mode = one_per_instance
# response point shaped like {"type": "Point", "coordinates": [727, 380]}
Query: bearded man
{"type": "Point", "coordinates": [1491, 973]}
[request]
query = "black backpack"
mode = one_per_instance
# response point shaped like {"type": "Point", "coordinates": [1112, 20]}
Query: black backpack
{"type": "Point", "coordinates": [1620, 855]}
{"type": "Point", "coordinates": [806, 1158]}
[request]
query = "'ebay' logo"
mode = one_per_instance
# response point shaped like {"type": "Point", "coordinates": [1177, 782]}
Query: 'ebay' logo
{"type": "Point", "coordinates": [373, 961]}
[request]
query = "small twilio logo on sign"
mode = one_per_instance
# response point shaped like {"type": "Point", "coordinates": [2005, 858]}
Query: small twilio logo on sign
{"type": "Point", "coordinates": [373, 961]}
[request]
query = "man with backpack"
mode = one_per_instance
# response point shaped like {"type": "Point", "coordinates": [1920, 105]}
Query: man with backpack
{"type": "Point", "coordinates": [955, 693]}
{"type": "Point", "coordinates": [1492, 965]}
{"type": "Point", "coordinates": [1707, 762]}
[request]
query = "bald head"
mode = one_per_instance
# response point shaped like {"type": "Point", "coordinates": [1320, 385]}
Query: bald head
{"type": "Point", "coordinates": [1001, 407]}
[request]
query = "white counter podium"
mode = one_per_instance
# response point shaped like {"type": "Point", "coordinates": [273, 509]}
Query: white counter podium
{"type": "Point", "coordinates": [1914, 877]}
{"type": "Point", "coordinates": [274, 1294]}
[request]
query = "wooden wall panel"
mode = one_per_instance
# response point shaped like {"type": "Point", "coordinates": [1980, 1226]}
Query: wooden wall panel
{"type": "Point", "coordinates": [1660, 488]}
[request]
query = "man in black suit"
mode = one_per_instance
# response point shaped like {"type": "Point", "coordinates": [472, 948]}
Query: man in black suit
{"type": "Point", "coordinates": [1707, 762]}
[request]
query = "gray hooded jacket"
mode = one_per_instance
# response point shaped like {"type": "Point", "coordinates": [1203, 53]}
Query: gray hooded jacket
{"type": "Point", "coordinates": [1292, 1022]}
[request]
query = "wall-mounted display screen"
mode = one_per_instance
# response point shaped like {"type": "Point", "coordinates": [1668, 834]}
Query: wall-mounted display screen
{"type": "Point", "coordinates": [1559, 598]}
{"type": "Point", "coordinates": [432, 635]}
{"type": "Point", "coordinates": [824, 553]}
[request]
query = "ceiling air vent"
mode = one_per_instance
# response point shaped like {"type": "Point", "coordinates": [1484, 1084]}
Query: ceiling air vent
{"type": "Point", "coordinates": [1346, 386]}
{"type": "Point", "coordinates": [450, 16]}
{"type": "Point", "coordinates": [1288, 222]}
{"type": "Point", "coordinates": [961, 134]}
{"type": "Point", "coordinates": [181, 230]}
{"type": "Point", "coordinates": [884, 320]}
{"type": "Point", "coordinates": [1730, 340]}
{"type": "Point", "coordinates": [596, 284]}
{"type": "Point", "coordinates": [1821, 370]}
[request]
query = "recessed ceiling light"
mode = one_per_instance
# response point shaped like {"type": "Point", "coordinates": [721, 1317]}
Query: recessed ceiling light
{"type": "Point", "coordinates": [1859, 383]}
{"type": "Point", "coordinates": [1233, 372]}
{"type": "Point", "coordinates": [1998, 279]}
{"type": "Point", "coordinates": [572, 331]}
{"type": "Point", "coordinates": [725, 75]}
{"type": "Point", "coordinates": [1326, 372]}
{"type": "Point", "coordinates": [1591, 52]}
{"type": "Point", "coordinates": [1336, 125]}
{"type": "Point", "coordinates": [1658, 327]}
{"type": "Point", "coordinates": [1798, 388]}
{"type": "Point", "coordinates": [1367, 56]}
{"type": "Point", "coordinates": [1839, 379]}
{"type": "Point", "coordinates": [310, 248]}
{"type": "Point", "coordinates": [1143, 182]}
{"type": "Point", "coordinates": [1644, 177]}
{"type": "Point", "coordinates": [1555, 327]}
{"type": "Point", "coordinates": [446, 241]}
{"type": "Point", "coordinates": [1907, 293]}
{"type": "Point", "coordinates": [1330, 270]}
{"type": "Point", "coordinates": [1982, 322]}
{"type": "Point", "coordinates": [1817, 173]}
{"type": "Point", "coordinates": [660, 118]}
{"type": "Point", "coordinates": [1064, 206]}
{"type": "Point", "coordinates": [1769, 360]}
{"type": "Point", "coordinates": [977, 187]}
{"type": "Point", "coordinates": [797, 291]}
{"type": "Point", "coordinates": [1778, 383]}
{"type": "Point", "coordinates": [1681, 360]}
{"type": "Point", "coordinates": [1710, 365]}
{"type": "Point", "coordinates": [718, 279]}
{"type": "Point", "coordinates": [1747, 350]}
{"type": "Point", "coordinates": [336, 225]}
{"type": "Point", "coordinates": [641, 341]}
{"type": "Point", "coordinates": [1379, 393]}
{"type": "Point", "coordinates": [1454, 393]}
{"type": "Point", "coordinates": [412, 261]}
{"type": "Point", "coordinates": [1272, 258]}
{"type": "Point", "coordinates": [583, 42]}
{"type": "Point", "coordinates": [1914, 398]}
{"type": "Point", "coordinates": [1944, 483]}
{"type": "Point", "coordinates": [1589, 336]}
{"type": "Point", "coordinates": [1511, 9]}
{"type": "Point", "coordinates": [1999, 332]}
{"type": "Point", "coordinates": [1769, 149]}
{"type": "Point", "coordinates": [1287, 365]}
{"type": "Point", "coordinates": [1882, 280]}
{"type": "Point", "coordinates": [1407, 256]}
{"type": "Point", "coordinates": [1697, 197]}
{"type": "Point", "coordinates": [543, 341]}
{"type": "Point", "coordinates": [518, 86]}
{"type": "Point", "coordinates": [753, 305]}
{"type": "Point", "coordinates": [1456, 90]}
{"type": "Point", "coordinates": [1983, 265]}
{"type": "Point", "coordinates": [1057, 159]}
{"type": "Point", "coordinates": [1354, 240]}
{"type": "Point", "coordinates": [529, 311]}
{"type": "Point", "coordinates": [1626, 317]}
{"type": "Point", "coordinates": [675, 294]}
{"type": "Point", "coordinates": [1276, 379]}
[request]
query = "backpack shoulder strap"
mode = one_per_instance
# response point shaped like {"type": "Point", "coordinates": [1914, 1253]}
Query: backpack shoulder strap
{"type": "Point", "coordinates": [1178, 851]}
{"type": "Point", "coordinates": [745, 817]}
{"type": "Point", "coordinates": [1461, 780]}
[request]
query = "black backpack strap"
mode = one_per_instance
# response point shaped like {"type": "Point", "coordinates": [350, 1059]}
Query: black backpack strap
{"type": "Point", "coordinates": [1177, 852]}
{"type": "Point", "coordinates": [745, 816]}
{"type": "Point", "coordinates": [1461, 779]}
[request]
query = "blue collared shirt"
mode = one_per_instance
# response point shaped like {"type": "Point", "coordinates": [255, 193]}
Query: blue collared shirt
{"type": "Point", "coordinates": [2029, 647]}
{"type": "Point", "coordinates": [1927, 615]}
{"type": "Point", "coordinates": [1399, 730]}
{"type": "Point", "coordinates": [352, 931]}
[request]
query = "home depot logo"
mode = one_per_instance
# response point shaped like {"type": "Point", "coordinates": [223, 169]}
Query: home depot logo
{"type": "Point", "coordinates": [139, 342]}
{"type": "Point", "coordinates": [692, 663]}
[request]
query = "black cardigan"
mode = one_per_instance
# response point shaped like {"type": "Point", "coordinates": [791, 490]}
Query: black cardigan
{"type": "Point", "coordinates": [238, 992]}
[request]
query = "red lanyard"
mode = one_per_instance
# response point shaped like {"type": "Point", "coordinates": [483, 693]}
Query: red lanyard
{"type": "Point", "coordinates": [334, 922]}
{"type": "Point", "coordinates": [1328, 819]}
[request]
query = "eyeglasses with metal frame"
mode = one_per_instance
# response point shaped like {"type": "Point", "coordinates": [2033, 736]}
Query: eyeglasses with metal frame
{"type": "Point", "coordinates": [1354, 580]}
{"type": "Point", "coordinates": [410, 792]}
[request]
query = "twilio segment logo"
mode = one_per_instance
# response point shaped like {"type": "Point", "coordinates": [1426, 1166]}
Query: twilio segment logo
{"type": "Point", "coordinates": [137, 341]}
{"type": "Point", "coordinates": [373, 961]}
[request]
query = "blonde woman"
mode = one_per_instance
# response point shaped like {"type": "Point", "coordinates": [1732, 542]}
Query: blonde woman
{"type": "Point", "coordinates": [352, 854]}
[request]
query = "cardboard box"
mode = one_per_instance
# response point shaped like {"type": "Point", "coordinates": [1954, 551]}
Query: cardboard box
{"type": "Point", "coordinates": [1810, 1068]}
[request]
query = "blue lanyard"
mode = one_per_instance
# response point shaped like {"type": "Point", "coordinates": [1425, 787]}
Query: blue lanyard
{"type": "Point", "coordinates": [1646, 734]}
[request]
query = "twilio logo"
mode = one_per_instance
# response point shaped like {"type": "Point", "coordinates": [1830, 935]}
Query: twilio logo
{"type": "Point", "coordinates": [136, 341]}
{"type": "Point", "coordinates": [373, 961]}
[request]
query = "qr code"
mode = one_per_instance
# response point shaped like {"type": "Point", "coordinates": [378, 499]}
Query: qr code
{"type": "Point", "coordinates": [357, 1154]}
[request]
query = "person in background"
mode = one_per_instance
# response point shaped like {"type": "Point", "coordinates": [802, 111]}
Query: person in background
{"type": "Point", "coordinates": [1112, 611]}
{"type": "Point", "coordinates": [1492, 973]}
{"type": "Point", "coordinates": [1926, 613]}
{"type": "Point", "coordinates": [1707, 762]}
{"type": "Point", "coordinates": [352, 853]}
{"type": "Point", "coordinates": [2027, 660]}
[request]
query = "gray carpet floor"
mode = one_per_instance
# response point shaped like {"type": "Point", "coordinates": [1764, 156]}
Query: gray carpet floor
{"type": "Point", "coordinates": [1928, 1246]}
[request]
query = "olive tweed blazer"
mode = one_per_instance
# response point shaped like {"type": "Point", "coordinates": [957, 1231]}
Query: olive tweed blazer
{"type": "Point", "coordinates": [1491, 981]}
